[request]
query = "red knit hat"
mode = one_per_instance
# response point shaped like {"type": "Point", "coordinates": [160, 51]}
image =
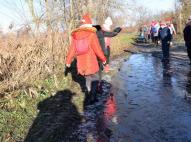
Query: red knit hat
{"type": "Point", "coordinates": [86, 19]}
{"type": "Point", "coordinates": [168, 20]}
{"type": "Point", "coordinates": [162, 24]}
{"type": "Point", "coordinates": [153, 23]}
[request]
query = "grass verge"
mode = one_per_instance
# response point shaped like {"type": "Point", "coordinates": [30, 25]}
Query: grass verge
{"type": "Point", "coordinates": [18, 113]}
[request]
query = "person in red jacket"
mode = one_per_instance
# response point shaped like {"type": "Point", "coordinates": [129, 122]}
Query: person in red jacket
{"type": "Point", "coordinates": [86, 48]}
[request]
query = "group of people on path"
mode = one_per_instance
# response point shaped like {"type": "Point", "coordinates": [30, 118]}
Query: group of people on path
{"type": "Point", "coordinates": [90, 45]}
{"type": "Point", "coordinates": [163, 32]}
{"type": "Point", "coordinates": [165, 35]}
{"type": "Point", "coordinates": [151, 31]}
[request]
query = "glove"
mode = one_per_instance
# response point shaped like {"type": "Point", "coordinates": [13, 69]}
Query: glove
{"type": "Point", "coordinates": [67, 70]}
{"type": "Point", "coordinates": [106, 68]}
{"type": "Point", "coordinates": [117, 30]}
{"type": "Point", "coordinates": [98, 27]}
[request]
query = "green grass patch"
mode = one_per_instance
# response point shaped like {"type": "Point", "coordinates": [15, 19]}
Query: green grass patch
{"type": "Point", "coordinates": [126, 38]}
{"type": "Point", "coordinates": [121, 42]}
{"type": "Point", "coordinates": [17, 114]}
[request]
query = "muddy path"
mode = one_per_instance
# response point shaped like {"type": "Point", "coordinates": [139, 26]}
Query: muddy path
{"type": "Point", "coordinates": [142, 100]}
{"type": "Point", "coordinates": [151, 104]}
{"type": "Point", "coordinates": [148, 101]}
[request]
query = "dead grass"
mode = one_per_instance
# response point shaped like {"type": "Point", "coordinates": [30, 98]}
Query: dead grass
{"type": "Point", "coordinates": [31, 70]}
{"type": "Point", "coordinates": [24, 60]}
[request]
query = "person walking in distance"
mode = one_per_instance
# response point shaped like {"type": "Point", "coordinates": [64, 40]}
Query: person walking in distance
{"type": "Point", "coordinates": [187, 37]}
{"type": "Point", "coordinates": [86, 48]}
{"type": "Point", "coordinates": [171, 26]}
{"type": "Point", "coordinates": [165, 37]}
{"type": "Point", "coordinates": [154, 32]}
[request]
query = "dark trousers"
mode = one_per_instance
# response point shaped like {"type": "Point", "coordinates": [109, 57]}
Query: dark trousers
{"type": "Point", "coordinates": [90, 79]}
{"type": "Point", "coordinates": [165, 49]}
{"type": "Point", "coordinates": [188, 45]}
{"type": "Point", "coordinates": [108, 54]}
{"type": "Point", "coordinates": [92, 84]}
{"type": "Point", "coordinates": [156, 40]}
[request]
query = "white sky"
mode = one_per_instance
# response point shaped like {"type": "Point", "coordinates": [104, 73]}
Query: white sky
{"type": "Point", "coordinates": [158, 5]}
{"type": "Point", "coordinates": [16, 11]}
{"type": "Point", "coordinates": [13, 11]}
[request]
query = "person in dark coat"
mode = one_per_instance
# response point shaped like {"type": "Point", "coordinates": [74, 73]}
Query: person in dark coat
{"type": "Point", "coordinates": [187, 37]}
{"type": "Point", "coordinates": [101, 34]}
{"type": "Point", "coordinates": [166, 37]}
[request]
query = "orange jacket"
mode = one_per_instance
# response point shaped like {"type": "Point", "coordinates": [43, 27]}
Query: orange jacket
{"type": "Point", "coordinates": [87, 63]}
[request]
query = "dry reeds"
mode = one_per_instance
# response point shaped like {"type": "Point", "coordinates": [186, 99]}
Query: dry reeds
{"type": "Point", "coordinates": [25, 59]}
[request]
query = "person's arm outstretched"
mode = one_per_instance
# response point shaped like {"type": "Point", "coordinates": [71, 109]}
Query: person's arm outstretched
{"type": "Point", "coordinates": [112, 34]}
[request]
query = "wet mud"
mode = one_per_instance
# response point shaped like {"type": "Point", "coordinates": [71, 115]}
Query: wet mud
{"type": "Point", "coordinates": [152, 100]}
{"type": "Point", "coordinates": [141, 100]}
{"type": "Point", "coordinates": [145, 101]}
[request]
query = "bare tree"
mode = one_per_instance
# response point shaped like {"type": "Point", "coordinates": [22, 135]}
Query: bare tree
{"type": "Point", "coordinates": [182, 12]}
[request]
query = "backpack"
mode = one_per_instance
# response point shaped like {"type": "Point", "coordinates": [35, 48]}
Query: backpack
{"type": "Point", "coordinates": [81, 46]}
{"type": "Point", "coordinates": [164, 33]}
{"type": "Point", "coordinates": [154, 29]}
